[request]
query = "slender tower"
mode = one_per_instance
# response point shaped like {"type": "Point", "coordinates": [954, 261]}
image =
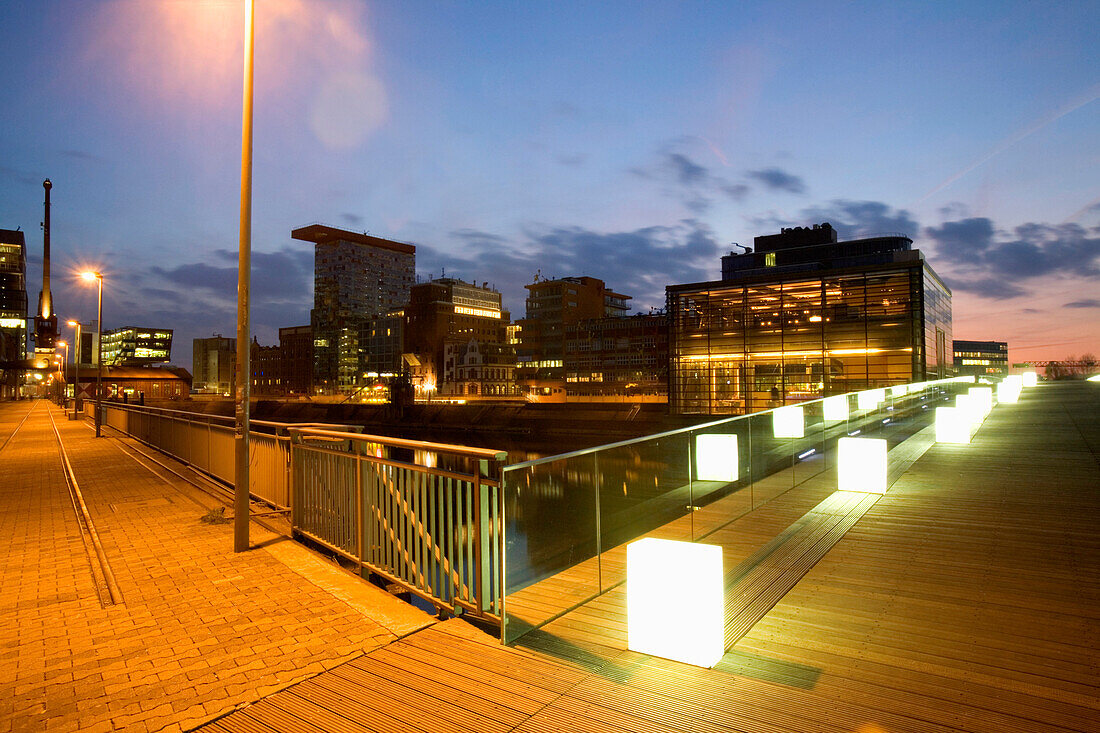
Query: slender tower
{"type": "Point", "coordinates": [45, 320]}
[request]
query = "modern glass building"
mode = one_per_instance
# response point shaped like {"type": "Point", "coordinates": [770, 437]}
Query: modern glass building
{"type": "Point", "coordinates": [132, 346]}
{"type": "Point", "coordinates": [13, 311]}
{"type": "Point", "coordinates": [805, 316]}
{"type": "Point", "coordinates": [981, 358]}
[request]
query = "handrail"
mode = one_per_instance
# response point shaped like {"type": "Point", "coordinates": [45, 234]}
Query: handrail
{"type": "Point", "coordinates": [680, 431]}
{"type": "Point", "coordinates": [481, 453]}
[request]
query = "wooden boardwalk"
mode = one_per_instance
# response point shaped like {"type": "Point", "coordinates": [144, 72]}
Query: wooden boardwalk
{"type": "Point", "coordinates": [967, 598]}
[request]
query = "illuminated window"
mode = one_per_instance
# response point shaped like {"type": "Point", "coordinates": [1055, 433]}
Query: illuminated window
{"type": "Point", "coordinates": [769, 259]}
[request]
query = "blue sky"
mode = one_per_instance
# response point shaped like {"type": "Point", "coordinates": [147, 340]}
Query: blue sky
{"type": "Point", "coordinates": [627, 141]}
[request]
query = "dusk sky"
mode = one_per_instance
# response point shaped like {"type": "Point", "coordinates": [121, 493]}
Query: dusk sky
{"type": "Point", "coordinates": [629, 141]}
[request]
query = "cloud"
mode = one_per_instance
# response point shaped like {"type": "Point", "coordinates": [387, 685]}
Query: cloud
{"type": "Point", "coordinates": [639, 263]}
{"type": "Point", "coordinates": [688, 180]}
{"type": "Point", "coordinates": [686, 171]}
{"type": "Point", "coordinates": [352, 218]}
{"type": "Point", "coordinates": [1086, 303]}
{"type": "Point", "coordinates": [572, 161]}
{"type": "Point", "coordinates": [851, 219]}
{"type": "Point", "coordinates": [986, 287]}
{"type": "Point", "coordinates": [776, 179]}
{"type": "Point", "coordinates": [1030, 250]}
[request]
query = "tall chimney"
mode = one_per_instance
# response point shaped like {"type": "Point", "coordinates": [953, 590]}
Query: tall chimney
{"type": "Point", "coordinates": [45, 321]}
{"type": "Point", "coordinates": [45, 297]}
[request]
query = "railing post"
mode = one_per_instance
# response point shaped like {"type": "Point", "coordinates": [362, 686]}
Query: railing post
{"type": "Point", "coordinates": [483, 525]}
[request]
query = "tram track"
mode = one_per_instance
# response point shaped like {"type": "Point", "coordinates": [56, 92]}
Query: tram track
{"type": "Point", "coordinates": [13, 432]}
{"type": "Point", "coordinates": [106, 585]}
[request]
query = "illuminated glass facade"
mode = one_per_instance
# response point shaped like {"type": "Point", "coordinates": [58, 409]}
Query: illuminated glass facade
{"type": "Point", "coordinates": [132, 346]}
{"type": "Point", "coordinates": [774, 337]}
{"type": "Point", "coordinates": [981, 358]}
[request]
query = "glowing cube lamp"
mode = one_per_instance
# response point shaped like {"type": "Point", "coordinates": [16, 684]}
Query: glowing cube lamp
{"type": "Point", "coordinates": [952, 426]}
{"type": "Point", "coordinates": [969, 407]}
{"type": "Point", "coordinates": [674, 601]}
{"type": "Point", "coordinates": [899, 390]}
{"type": "Point", "coordinates": [983, 397]}
{"type": "Point", "coordinates": [861, 465]}
{"type": "Point", "coordinates": [866, 400]}
{"type": "Point", "coordinates": [716, 458]}
{"type": "Point", "coordinates": [1031, 379]}
{"type": "Point", "coordinates": [1094, 378]}
{"type": "Point", "coordinates": [835, 409]}
{"type": "Point", "coordinates": [788, 422]}
{"type": "Point", "coordinates": [1008, 390]}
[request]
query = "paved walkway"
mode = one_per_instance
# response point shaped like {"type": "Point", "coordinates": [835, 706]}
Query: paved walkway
{"type": "Point", "coordinates": [201, 629]}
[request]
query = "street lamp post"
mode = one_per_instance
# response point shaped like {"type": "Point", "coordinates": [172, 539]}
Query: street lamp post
{"type": "Point", "coordinates": [244, 372]}
{"type": "Point", "coordinates": [64, 371]}
{"type": "Point", "coordinates": [98, 278]}
{"type": "Point", "coordinates": [76, 365]}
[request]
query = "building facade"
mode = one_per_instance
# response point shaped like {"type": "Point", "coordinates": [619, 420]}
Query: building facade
{"type": "Point", "coordinates": [296, 352]}
{"type": "Point", "coordinates": [617, 356]}
{"type": "Point", "coordinates": [806, 316]}
{"type": "Point", "coordinates": [355, 277]}
{"type": "Point", "coordinates": [553, 306]}
{"type": "Point", "coordinates": [981, 358]}
{"type": "Point", "coordinates": [13, 311]}
{"type": "Point", "coordinates": [132, 346]}
{"type": "Point", "coordinates": [450, 311]}
{"type": "Point", "coordinates": [213, 364]}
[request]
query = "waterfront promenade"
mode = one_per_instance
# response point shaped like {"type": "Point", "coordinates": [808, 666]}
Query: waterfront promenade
{"type": "Point", "coordinates": [967, 598]}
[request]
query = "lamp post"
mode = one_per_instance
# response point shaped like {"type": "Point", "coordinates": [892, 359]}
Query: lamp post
{"type": "Point", "coordinates": [98, 279]}
{"type": "Point", "coordinates": [64, 371]}
{"type": "Point", "coordinates": [244, 376]}
{"type": "Point", "coordinates": [76, 364]}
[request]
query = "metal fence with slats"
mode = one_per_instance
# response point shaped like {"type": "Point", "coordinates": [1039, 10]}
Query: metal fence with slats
{"type": "Point", "coordinates": [432, 525]}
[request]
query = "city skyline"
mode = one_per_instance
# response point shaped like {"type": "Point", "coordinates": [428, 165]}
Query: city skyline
{"type": "Point", "coordinates": [627, 143]}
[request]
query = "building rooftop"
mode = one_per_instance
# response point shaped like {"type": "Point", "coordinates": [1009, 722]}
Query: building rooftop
{"type": "Point", "coordinates": [321, 234]}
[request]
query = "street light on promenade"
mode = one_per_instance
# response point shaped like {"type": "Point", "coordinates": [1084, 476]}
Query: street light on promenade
{"type": "Point", "coordinates": [76, 362]}
{"type": "Point", "coordinates": [64, 371]}
{"type": "Point", "coordinates": [244, 376]}
{"type": "Point", "coordinates": [98, 278]}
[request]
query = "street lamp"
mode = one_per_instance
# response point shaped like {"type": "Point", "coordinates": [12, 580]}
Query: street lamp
{"type": "Point", "coordinates": [98, 279]}
{"type": "Point", "coordinates": [64, 371]}
{"type": "Point", "coordinates": [244, 265]}
{"type": "Point", "coordinates": [76, 364]}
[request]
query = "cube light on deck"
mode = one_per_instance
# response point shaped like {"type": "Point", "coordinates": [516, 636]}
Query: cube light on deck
{"type": "Point", "coordinates": [861, 465]}
{"type": "Point", "coordinates": [1008, 392]}
{"type": "Point", "coordinates": [835, 409]}
{"type": "Point", "coordinates": [1094, 378]}
{"type": "Point", "coordinates": [1030, 379]}
{"type": "Point", "coordinates": [983, 397]}
{"type": "Point", "coordinates": [969, 407]}
{"type": "Point", "coordinates": [952, 426]}
{"type": "Point", "coordinates": [675, 601]}
{"type": "Point", "coordinates": [788, 422]}
{"type": "Point", "coordinates": [716, 457]}
{"type": "Point", "coordinates": [866, 400]}
{"type": "Point", "coordinates": [899, 390]}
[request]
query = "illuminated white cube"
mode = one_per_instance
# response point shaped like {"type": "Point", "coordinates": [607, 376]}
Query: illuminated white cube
{"type": "Point", "coordinates": [835, 409]}
{"type": "Point", "coordinates": [983, 397]}
{"type": "Point", "coordinates": [970, 408]}
{"type": "Point", "coordinates": [952, 425]}
{"type": "Point", "coordinates": [788, 422]}
{"type": "Point", "coordinates": [716, 458]}
{"type": "Point", "coordinates": [675, 601]}
{"type": "Point", "coordinates": [1094, 378]}
{"type": "Point", "coordinates": [866, 400]}
{"type": "Point", "coordinates": [861, 465]}
{"type": "Point", "coordinates": [1008, 393]}
{"type": "Point", "coordinates": [899, 390]}
{"type": "Point", "coordinates": [1030, 379]}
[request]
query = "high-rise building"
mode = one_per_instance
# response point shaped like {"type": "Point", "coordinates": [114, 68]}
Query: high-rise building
{"type": "Point", "coordinates": [355, 277]}
{"type": "Point", "coordinates": [133, 346]}
{"type": "Point", "coordinates": [806, 316]}
{"type": "Point", "coordinates": [214, 364]}
{"type": "Point", "coordinates": [552, 307]}
{"type": "Point", "coordinates": [13, 311]}
{"type": "Point", "coordinates": [981, 358]}
{"type": "Point", "coordinates": [447, 311]}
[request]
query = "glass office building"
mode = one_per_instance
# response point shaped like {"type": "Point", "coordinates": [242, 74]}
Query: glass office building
{"type": "Point", "coordinates": [799, 320]}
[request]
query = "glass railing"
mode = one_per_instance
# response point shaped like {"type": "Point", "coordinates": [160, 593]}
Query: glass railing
{"type": "Point", "coordinates": [569, 517]}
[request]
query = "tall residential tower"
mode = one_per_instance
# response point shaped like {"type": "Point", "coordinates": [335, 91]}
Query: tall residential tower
{"type": "Point", "coordinates": [355, 277]}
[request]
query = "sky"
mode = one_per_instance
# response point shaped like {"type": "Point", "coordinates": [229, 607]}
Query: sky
{"type": "Point", "coordinates": [629, 141]}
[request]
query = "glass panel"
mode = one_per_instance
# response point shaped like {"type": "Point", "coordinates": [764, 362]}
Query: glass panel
{"type": "Point", "coordinates": [770, 459]}
{"type": "Point", "coordinates": [809, 452]}
{"type": "Point", "coordinates": [550, 541]}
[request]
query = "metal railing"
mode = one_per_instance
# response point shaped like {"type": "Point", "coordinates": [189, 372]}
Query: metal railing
{"type": "Point", "coordinates": [426, 516]}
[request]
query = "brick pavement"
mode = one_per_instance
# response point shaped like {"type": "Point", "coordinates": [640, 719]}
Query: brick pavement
{"type": "Point", "coordinates": [201, 630]}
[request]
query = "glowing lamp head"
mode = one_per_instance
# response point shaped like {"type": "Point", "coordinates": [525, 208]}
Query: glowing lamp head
{"type": "Point", "coordinates": [90, 276]}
